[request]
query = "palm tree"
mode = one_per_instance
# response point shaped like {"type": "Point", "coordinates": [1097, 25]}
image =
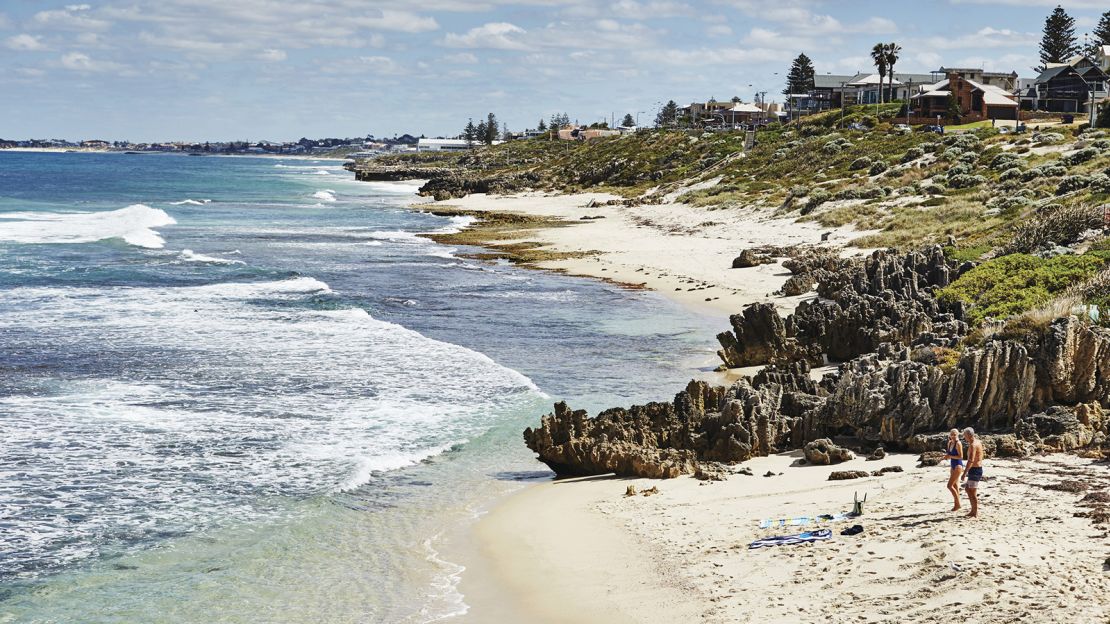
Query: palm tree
{"type": "Point", "coordinates": [878, 54]}
{"type": "Point", "coordinates": [892, 52]}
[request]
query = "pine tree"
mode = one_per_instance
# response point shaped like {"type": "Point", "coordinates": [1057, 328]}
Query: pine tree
{"type": "Point", "coordinates": [480, 131]}
{"type": "Point", "coordinates": [628, 121]}
{"type": "Point", "coordinates": [1100, 36]}
{"type": "Point", "coordinates": [470, 132]}
{"type": "Point", "coordinates": [667, 115]}
{"type": "Point", "coordinates": [543, 126]}
{"type": "Point", "coordinates": [491, 129]}
{"type": "Point", "coordinates": [800, 77]}
{"type": "Point", "coordinates": [1058, 43]}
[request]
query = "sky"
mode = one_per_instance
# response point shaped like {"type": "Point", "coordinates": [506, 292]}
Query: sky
{"type": "Point", "coordinates": [146, 70]}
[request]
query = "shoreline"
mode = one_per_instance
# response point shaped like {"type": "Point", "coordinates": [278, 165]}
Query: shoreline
{"type": "Point", "coordinates": [682, 252]}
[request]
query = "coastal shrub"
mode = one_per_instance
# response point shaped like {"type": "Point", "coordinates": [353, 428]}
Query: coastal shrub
{"type": "Point", "coordinates": [799, 190]}
{"type": "Point", "coordinates": [780, 154]}
{"type": "Point", "coordinates": [836, 146]}
{"type": "Point", "coordinates": [1015, 283]}
{"type": "Point", "coordinates": [932, 189]}
{"type": "Point", "coordinates": [1047, 138]}
{"type": "Point", "coordinates": [863, 162]}
{"type": "Point", "coordinates": [862, 192]}
{"type": "Point", "coordinates": [952, 154]}
{"type": "Point", "coordinates": [1100, 184]}
{"type": "Point", "coordinates": [959, 169]}
{"type": "Point", "coordinates": [1010, 206]}
{"type": "Point", "coordinates": [1044, 171]}
{"type": "Point", "coordinates": [816, 198]}
{"type": "Point", "coordinates": [962, 140]}
{"type": "Point", "coordinates": [1012, 173]}
{"type": "Point", "coordinates": [968, 158]}
{"type": "Point", "coordinates": [1101, 144]}
{"type": "Point", "coordinates": [933, 201]}
{"type": "Point", "coordinates": [912, 154]}
{"type": "Point", "coordinates": [1054, 225]}
{"type": "Point", "coordinates": [1080, 157]}
{"type": "Point", "coordinates": [1073, 183]}
{"type": "Point", "coordinates": [877, 168]}
{"type": "Point", "coordinates": [965, 181]}
{"type": "Point", "coordinates": [1005, 161]}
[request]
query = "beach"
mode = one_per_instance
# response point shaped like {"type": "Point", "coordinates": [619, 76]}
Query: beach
{"type": "Point", "coordinates": [581, 550]}
{"type": "Point", "coordinates": [682, 252]}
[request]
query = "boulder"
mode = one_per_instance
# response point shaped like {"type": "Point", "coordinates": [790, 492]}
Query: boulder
{"type": "Point", "coordinates": [750, 258]}
{"type": "Point", "coordinates": [823, 453]}
{"type": "Point", "coordinates": [842, 475]}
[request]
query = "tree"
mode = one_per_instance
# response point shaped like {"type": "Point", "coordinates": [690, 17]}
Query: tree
{"type": "Point", "coordinates": [1103, 119]}
{"type": "Point", "coordinates": [878, 56]}
{"type": "Point", "coordinates": [892, 52]}
{"type": "Point", "coordinates": [470, 132]}
{"type": "Point", "coordinates": [559, 120]}
{"type": "Point", "coordinates": [491, 130]}
{"type": "Point", "coordinates": [1100, 36]}
{"type": "Point", "coordinates": [954, 112]}
{"type": "Point", "coordinates": [1058, 43]}
{"type": "Point", "coordinates": [480, 131]}
{"type": "Point", "coordinates": [628, 121]}
{"type": "Point", "coordinates": [800, 77]}
{"type": "Point", "coordinates": [543, 126]}
{"type": "Point", "coordinates": [667, 115]}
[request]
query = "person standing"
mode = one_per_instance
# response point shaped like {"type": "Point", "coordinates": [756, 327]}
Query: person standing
{"type": "Point", "coordinates": [955, 457]}
{"type": "Point", "coordinates": [973, 473]}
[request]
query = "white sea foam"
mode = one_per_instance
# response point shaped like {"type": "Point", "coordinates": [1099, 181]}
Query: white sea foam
{"type": "Point", "coordinates": [406, 187]}
{"type": "Point", "coordinates": [327, 195]}
{"type": "Point", "coordinates": [191, 202]}
{"type": "Point", "coordinates": [320, 172]}
{"type": "Point", "coordinates": [188, 255]}
{"type": "Point", "coordinates": [134, 224]}
{"type": "Point", "coordinates": [241, 392]}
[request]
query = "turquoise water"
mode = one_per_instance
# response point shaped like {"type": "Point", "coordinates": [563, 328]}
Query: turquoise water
{"type": "Point", "coordinates": [243, 389]}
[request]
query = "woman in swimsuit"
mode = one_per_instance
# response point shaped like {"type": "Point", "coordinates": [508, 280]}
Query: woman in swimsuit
{"type": "Point", "coordinates": [955, 457]}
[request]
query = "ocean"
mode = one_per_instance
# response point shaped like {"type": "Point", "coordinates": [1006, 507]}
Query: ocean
{"type": "Point", "coordinates": [245, 390]}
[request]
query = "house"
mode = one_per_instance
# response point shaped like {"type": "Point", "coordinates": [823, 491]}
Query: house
{"type": "Point", "coordinates": [95, 144]}
{"type": "Point", "coordinates": [721, 113]}
{"type": "Point", "coordinates": [903, 85]}
{"type": "Point", "coordinates": [976, 101]}
{"type": "Point", "coordinates": [1102, 58]}
{"type": "Point", "coordinates": [1070, 87]}
{"type": "Point", "coordinates": [1006, 81]}
{"type": "Point", "coordinates": [833, 91]}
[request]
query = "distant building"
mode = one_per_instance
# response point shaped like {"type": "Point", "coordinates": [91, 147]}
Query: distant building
{"type": "Point", "coordinates": [96, 144]}
{"type": "Point", "coordinates": [447, 145]}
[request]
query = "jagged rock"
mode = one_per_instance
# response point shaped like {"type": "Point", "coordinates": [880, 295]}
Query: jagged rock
{"type": "Point", "coordinates": [877, 454]}
{"type": "Point", "coordinates": [711, 471]}
{"type": "Point", "coordinates": [664, 440]}
{"type": "Point", "coordinates": [630, 491]}
{"type": "Point", "coordinates": [769, 473]}
{"type": "Point", "coordinates": [758, 337]}
{"type": "Point", "coordinates": [887, 469]}
{"type": "Point", "coordinates": [650, 491]}
{"type": "Point", "coordinates": [930, 458]}
{"type": "Point", "coordinates": [745, 471]}
{"type": "Point", "coordinates": [798, 285]}
{"type": "Point", "coordinates": [750, 258]}
{"type": "Point", "coordinates": [842, 475]}
{"type": "Point", "coordinates": [823, 452]}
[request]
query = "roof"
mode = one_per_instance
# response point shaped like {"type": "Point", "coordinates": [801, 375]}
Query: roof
{"type": "Point", "coordinates": [741, 107]}
{"type": "Point", "coordinates": [873, 79]}
{"type": "Point", "coordinates": [1052, 70]}
{"type": "Point", "coordinates": [829, 81]}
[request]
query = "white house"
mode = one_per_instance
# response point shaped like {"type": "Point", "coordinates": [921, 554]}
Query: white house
{"type": "Point", "coordinates": [447, 145]}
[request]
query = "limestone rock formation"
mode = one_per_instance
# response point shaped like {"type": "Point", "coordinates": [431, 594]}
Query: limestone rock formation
{"type": "Point", "coordinates": [823, 452]}
{"type": "Point", "coordinates": [842, 475]}
{"type": "Point", "coordinates": [750, 258]}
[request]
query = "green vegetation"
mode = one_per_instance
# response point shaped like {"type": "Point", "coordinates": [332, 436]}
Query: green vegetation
{"type": "Point", "coordinates": [1017, 283]}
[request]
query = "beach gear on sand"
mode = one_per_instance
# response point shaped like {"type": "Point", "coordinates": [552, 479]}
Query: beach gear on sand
{"type": "Point", "coordinates": [853, 530]}
{"type": "Point", "coordinates": [802, 520]}
{"type": "Point", "coordinates": [789, 540]}
{"type": "Point", "coordinates": [857, 506]}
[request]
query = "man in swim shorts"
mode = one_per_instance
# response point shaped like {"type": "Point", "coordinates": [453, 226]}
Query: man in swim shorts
{"type": "Point", "coordinates": [973, 472]}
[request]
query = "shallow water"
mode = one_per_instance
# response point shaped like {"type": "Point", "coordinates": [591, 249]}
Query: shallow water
{"type": "Point", "coordinates": [244, 390]}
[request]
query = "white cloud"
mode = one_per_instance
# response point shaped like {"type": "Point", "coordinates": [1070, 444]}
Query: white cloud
{"type": "Point", "coordinates": [72, 17]}
{"type": "Point", "coordinates": [271, 55]}
{"type": "Point", "coordinates": [24, 42]}
{"type": "Point", "coordinates": [719, 30]}
{"type": "Point", "coordinates": [657, 9]}
{"type": "Point", "coordinates": [401, 21]}
{"type": "Point", "coordinates": [496, 35]}
{"type": "Point", "coordinates": [1071, 4]}
{"type": "Point", "coordinates": [461, 58]}
{"type": "Point", "coordinates": [81, 62]}
{"type": "Point", "coordinates": [363, 65]}
{"type": "Point", "coordinates": [986, 37]}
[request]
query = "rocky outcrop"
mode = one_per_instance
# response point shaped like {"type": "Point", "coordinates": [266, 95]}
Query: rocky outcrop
{"type": "Point", "coordinates": [843, 475]}
{"type": "Point", "coordinates": [884, 298]}
{"type": "Point", "coordinates": [750, 258]}
{"type": "Point", "coordinates": [446, 182]}
{"type": "Point", "coordinates": [823, 453]}
{"type": "Point", "coordinates": [895, 397]}
{"type": "Point", "coordinates": [662, 440]}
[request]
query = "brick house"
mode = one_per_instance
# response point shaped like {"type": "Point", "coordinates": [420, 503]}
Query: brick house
{"type": "Point", "coordinates": [976, 101]}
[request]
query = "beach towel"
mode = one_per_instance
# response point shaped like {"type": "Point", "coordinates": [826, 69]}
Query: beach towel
{"type": "Point", "coordinates": [789, 540]}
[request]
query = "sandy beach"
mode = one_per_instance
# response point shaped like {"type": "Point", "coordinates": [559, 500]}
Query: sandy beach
{"type": "Point", "coordinates": [684, 253]}
{"type": "Point", "coordinates": [580, 550]}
